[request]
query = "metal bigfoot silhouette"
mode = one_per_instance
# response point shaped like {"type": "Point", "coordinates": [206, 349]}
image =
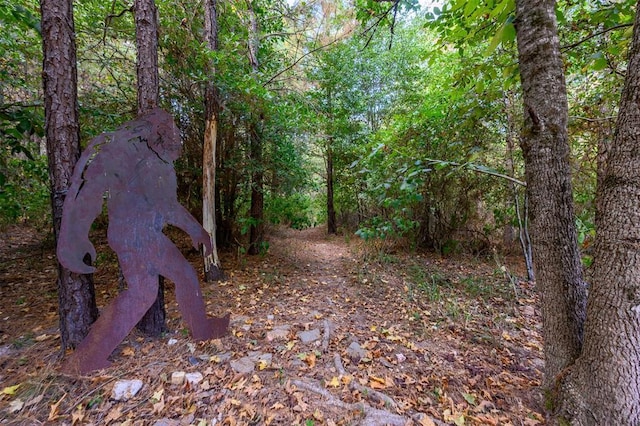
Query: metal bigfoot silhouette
{"type": "Point", "coordinates": [133, 166]}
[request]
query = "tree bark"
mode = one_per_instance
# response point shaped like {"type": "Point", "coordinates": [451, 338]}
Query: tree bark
{"type": "Point", "coordinates": [332, 227]}
{"type": "Point", "coordinates": [604, 385]}
{"type": "Point", "coordinates": [332, 223]}
{"type": "Point", "coordinates": [545, 146]}
{"type": "Point", "coordinates": [256, 231]}
{"type": "Point", "coordinates": [212, 268]}
{"type": "Point", "coordinates": [146, 18]}
{"type": "Point", "coordinates": [76, 294]}
{"type": "Point", "coordinates": [153, 323]}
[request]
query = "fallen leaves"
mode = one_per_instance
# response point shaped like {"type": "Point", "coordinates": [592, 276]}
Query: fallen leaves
{"type": "Point", "coordinates": [458, 359]}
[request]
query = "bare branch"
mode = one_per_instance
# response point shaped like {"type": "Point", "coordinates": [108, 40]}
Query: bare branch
{"type": "Point", "coordinates": [596, 34]}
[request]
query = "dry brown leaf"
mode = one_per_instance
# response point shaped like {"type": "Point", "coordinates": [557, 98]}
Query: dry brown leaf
{"type": "Point", "coordinates": [113, 415]}
{"type": "Point", "coordinates": [53, 411]}
{"type": "Point", "coordinates": [426, 421]}
{"type": "Point", "coordinates": [128, 351]}
{"type": "Point", "coordinates": [77, 415]}
{"type": "Point", "coordinates": [310, 359]}
{"type": "Point", "coordinates": [377, 382]}
{"type": "Point", "coordinates": [276, 406]}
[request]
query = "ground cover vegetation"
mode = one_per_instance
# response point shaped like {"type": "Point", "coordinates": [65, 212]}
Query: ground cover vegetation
{"type": "Point", "coordinates": [399, 127]}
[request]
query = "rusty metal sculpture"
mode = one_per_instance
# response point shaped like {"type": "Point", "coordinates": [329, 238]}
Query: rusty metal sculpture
{"type": "Point", "coordinates": [133, 166]}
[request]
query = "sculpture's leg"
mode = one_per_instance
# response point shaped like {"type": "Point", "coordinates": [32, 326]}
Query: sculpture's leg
{"type": "Point", "coordinates": [116, 320]}
{"type": "Point", "coordinates": [189, 296]}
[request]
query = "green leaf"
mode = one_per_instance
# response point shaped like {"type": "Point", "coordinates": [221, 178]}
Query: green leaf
{"type": "Point", "coordinates": [469, 398]}
{"type": "Point", "coordinates": [470, 7]}
{"type": "Point", "coordinates": [600, 64]}
{"type": "Point", "coordinates": [505, 34]}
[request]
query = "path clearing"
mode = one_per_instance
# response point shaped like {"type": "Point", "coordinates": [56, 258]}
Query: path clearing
{"type": "Point", "coordinates": [319, 335]}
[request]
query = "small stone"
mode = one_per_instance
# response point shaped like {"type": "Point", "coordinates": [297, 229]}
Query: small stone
{"type": "Point", "coordinates": [125, 389]}
{"type": "Point", "coordinates": [166, 422]}
{"type": "Point", "coordinates": [280, 332]}
{"type": "Point", "coordinates": [384, 362]}
{"type": "Point", "coordinates": [177, 377]}
{"type": "Point", "coordinates": [224, 356]}
{"type": "Point", "coordinates": [239, 319]}
{"type": "Point", "coordinates": [309, 336]}
{"type": "Point", "coordinates": [401, 358]}
{"type": "Point", "coordinates": [356, 352]}
{"type": "Point", "coordinates": [243, 365]}
{"type": "Point", "coordinates": [193, 378]}
{"type": "Point", "coordinates": [270, 317]}
{"type": "Point", "coordinates": [258, 357]}
{"type": "Point", "coordinates": [172, 342]}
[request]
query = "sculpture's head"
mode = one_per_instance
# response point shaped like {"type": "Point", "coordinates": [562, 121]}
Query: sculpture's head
{"type": "Point", "coordinates": [165, 136]}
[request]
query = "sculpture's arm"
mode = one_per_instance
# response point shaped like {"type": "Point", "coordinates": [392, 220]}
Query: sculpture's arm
{"type": "Point", "coordinates": [180, 217]}
{"type": "Point", "coordinates": [82, 205]}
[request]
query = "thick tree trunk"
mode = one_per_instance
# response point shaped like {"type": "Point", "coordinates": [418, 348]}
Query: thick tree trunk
{"type": "Point", "coordinates": [146, 17]}
{"type": "Point", "coordinates": [604, 385]}
{"type": "Point", "coordinates": [212, 269]}
{"type": "Point", "coordinates": [76, 296]}
{"type": "Point", "coordinates": [546, 151]}
{"type": "Point", "coordinates": [153, 323]}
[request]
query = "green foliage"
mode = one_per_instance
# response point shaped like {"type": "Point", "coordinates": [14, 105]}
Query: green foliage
{"type": "Point", "coordinates": [295, 211]}
{"type": "Point", "coordinates": [24, 191]}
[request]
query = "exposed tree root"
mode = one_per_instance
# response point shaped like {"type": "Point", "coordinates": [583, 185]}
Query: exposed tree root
{"type": "Point", "coordinates": [372, 416]}
{"type": "Point", "coordinates": [365, 390]}
{"type": "Point", "coordinates": [326, 337]}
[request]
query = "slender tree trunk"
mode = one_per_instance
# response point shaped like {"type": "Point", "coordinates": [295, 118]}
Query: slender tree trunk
{"type": "Point", "coordinates": [332, 227]}
{"type": "Point", "coordinates": [76, 295]}
{"type": "Point", "coordinates": [604, 385]}
{"type": "Point", "coordinates": [146, 17]}
{"type": "Point", "coordinates": [212, 268]}
{"type": "Point", "coordinates": [256, 232]}
{"type": "Point", "coordinates": [332, 223]}
{"type": "Point", "coordinates": [545, 146]}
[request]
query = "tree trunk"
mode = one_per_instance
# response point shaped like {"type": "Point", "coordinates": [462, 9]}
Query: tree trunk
{"type": "Point", "coordinates": [146, 17]}
{"type": "Point", "coordinates": [212, 269]}
{"type": "Point", "coordinates": [153, 323]}
{"type": "Point", "coordinates": [256, 231]}
{"type": "Point", "coordinates": [604, 385]}
{"type": "Point", "coordinates": [332, 227]}
{"type": "Point", "coordinates": [545, 146]}
{"type": "Point", "coordinates": [76, 295]}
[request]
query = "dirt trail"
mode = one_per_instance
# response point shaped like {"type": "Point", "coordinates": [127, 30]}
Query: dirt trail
{"type": "Point", "coordinates": [319, 335]}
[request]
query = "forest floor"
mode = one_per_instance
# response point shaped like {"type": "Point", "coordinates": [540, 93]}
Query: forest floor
{"type": "Point", "coordinates": [324, 331]}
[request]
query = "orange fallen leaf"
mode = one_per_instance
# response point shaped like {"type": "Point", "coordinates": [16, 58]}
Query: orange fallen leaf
{"type": "Point", "coordinates": [377, 382]}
